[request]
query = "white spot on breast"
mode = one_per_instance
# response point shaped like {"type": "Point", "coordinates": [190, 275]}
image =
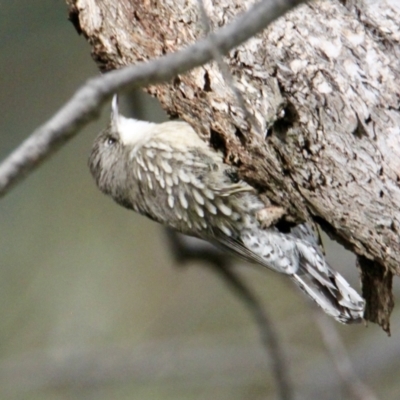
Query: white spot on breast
{"type": "Point", "coordinates": [210, 207]}
{"type": "Point", "coordinates": [198, 197]}
{"type": "Point", "coordinates": [168, 180]}
{"type": "Point", "coordinates": [209, 194]}
{"type": "Point", "coordinates": [224, 229]}
{"type": "Point", "coordinates": [203, 223]}
{"type": "Point", "coordinates": [223, 208]}
{"type": "Point", "coordinates": [163, 146]}
{"type": "Point", "coordinates": [177, 213]}
{"type": "Point", "coordinates": [171, 201]}
{"type": "Point", "coordinates": [200, 164]}
{"type": "Point", "coordinates": [196, 182]}
{"type": "Point", "coordinates": [149, 181]}
{"type": "Point", "coordinates": [199, 210]}
{"type": "Point", "coordinates": [175, 178]}
{"type": "Point", "coordinates": [150, 166]}
{"type": "Point", "coordinates": [182, 199]}
{"type": "Point", "coordinates": [151, 153]}
{"type": "Point", "coordinates": [161, 181]}
{"type": "Point", "coordinates": [180, 157]}
{"type": "Point", "coordinates": [183, 176]}
{"type": "Point", "coordinates": [235, 216]}
{"type": "Point", "coordinates": [140, 161]}
{"type": "Point", "coordinates": [198, 225]}
{"type": "Point", "coordinates": [139, 175]}
{"type": "Point", "coordinates": [166, 166]}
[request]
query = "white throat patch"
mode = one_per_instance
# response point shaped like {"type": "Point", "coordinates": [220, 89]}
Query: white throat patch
{"type": "Point", "coordinates": [132, 131]}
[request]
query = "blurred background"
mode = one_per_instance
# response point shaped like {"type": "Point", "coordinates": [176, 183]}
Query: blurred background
{"type": "Point", "coordinates": [92, 303]}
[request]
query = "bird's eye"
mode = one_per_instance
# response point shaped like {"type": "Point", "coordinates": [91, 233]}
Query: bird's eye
{"type": "Point", "coordinates": [110, 141]}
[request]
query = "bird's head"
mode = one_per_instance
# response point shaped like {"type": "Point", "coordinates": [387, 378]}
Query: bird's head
{"type": "Point", "coordinates": [113, 150]}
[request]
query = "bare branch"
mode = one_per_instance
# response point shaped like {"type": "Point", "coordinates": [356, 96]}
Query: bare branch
{"type": "Point", "coordinates": [84, 105]}
{"type": "Point", "coordinates": [184, 250]}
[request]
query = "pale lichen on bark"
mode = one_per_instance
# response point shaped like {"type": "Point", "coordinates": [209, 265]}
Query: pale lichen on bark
{"type": "Point", "coordinates": [323, 82]}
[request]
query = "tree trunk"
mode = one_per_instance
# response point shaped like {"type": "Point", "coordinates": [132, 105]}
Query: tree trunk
{"type": "Point", "coordinates": [323, 84]}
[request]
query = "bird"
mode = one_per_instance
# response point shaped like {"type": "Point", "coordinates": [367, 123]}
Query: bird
{"type": "Point", "coordinates": [166, 172]}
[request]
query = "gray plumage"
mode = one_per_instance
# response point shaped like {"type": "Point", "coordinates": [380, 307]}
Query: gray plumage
{"type": "Point", "coordinates": [166, 172]}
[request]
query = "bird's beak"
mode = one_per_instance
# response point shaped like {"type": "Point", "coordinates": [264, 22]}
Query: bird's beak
{"type": "Point", "coordinates": [114, 111]}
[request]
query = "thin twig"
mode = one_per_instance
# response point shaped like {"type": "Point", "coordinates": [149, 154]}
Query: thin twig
{"type": "Point", "coordinates": [225, 71]}
{"type": "Point", "coordinates": [185, 251]}
{"type": "Point", "coordinates": [84, 106]}
{"type": "Point", "coordinates": [335, 346]}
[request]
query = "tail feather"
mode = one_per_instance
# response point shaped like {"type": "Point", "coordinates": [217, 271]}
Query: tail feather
{"type": "Point", "coordinates": [327, 287]}
{"type": "Point", "coordinates": [297, 255]}
{"type": "Point", "coordinates": [340, 301]}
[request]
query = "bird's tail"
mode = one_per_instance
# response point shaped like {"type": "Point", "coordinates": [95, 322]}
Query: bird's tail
{"type": "Point", "coordinates": [297, 255]}
{"type": "Point", "coordinates": [324, 285]}
{"type": "Point", "coordinates": [327, 287]}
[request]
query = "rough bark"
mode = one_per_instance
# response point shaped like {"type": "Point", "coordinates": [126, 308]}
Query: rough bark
{"type": "Point", "coordinates": [323, 83]}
